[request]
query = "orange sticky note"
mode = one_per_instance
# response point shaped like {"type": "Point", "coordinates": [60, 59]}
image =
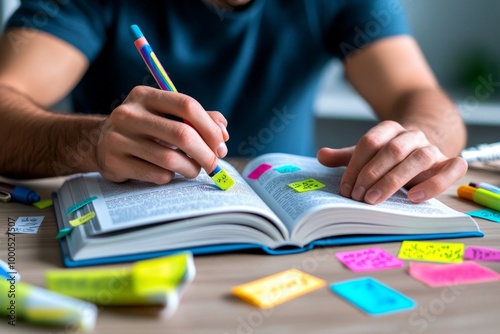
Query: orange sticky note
{"type": "Point", "coordinates": [278, 288]}
{"type": "Point", "coordinates": [431, 251]}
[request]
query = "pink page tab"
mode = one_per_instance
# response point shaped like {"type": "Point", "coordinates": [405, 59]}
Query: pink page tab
{"type": "Point", "coordinates": [436, 275]}
{"type": "Point", "coordinates": [482, 254]}
{"type": "Point", "coordinates": [369, 259]}
{"type": "Point", "coordinates": [257, 172]}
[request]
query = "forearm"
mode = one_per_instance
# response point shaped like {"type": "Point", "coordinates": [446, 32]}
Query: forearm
{"type": "Point", "coordinates": [38, 143]}
{"type": "Point", "coordinates": [432, 112]}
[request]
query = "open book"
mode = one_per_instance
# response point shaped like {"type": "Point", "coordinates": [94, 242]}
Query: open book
{"type": "Point", "coordinates": [281, 203]}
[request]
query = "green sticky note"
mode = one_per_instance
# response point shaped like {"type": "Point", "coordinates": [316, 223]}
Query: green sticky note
{"type": "Point", "coordinates": [306, 185]}
{"type": "Point", "coordinates": [43, 204]}
{"type": "Point", "coordinates": [64, 232]}
{"type": "Point", "coordinates": [223, 180]}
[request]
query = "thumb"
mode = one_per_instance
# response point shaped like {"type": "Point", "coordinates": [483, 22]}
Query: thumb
{"type": "Point", "coordinates": [332, 157]}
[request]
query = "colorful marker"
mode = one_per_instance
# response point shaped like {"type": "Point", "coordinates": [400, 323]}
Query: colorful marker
{"type": "Point", "coordinates": [221, 178]}
{"type": "Point", "coordinates": [485, 185]}
{"type": "Point", "coordinates": [480, 196]}
{"type": "Point", "coordinates": [20, 194]}
{"type": "Point", "coordinates": [21, 301]}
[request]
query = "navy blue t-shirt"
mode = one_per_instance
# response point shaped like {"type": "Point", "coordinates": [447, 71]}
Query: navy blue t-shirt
{"type": "Point", "coordinates": [259, 66]}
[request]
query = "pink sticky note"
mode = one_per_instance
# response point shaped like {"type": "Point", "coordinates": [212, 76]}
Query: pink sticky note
{"type": "Point", "coordinates": [436, 275]}
{"type": "Point", "coordinates": [369, 259]}
{"type": "Point", "coordinates": [257, 172]}
{"type": "Point", "coordinates": [482, 254]}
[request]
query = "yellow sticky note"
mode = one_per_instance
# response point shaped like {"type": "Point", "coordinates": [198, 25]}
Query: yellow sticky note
{"type": "Point", "coordinates": [431, 251]}
{"type": "Point", "coordinates": [278, 288]}
{"type": "Point", "coordinates": [43, 204]}
{"type": "Point", "coordinates": [306, 185]}
{"type": "Point", "coordinates": [82, 220]}
{"type": "Point", "coordinates": [223, 180]}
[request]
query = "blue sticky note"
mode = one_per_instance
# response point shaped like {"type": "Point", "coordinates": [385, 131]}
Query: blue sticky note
{"type": "Point", "coordinates": [372, 296]}
{"type": "Point", "coordinates": [287, 169]}
{"type": "Point", "coordinates": [7, 272]}
{"type": "Point", "coordinates": [488, 214]}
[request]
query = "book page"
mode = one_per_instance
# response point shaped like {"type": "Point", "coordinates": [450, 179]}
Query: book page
{"type": "Point", "coordinates": [126, 205]}
{"type": "Point", "coordinates": [294, 208]}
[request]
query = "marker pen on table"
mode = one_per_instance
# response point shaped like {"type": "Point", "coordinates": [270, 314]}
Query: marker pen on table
{"type": "Point", "coordinates": [480, 196]}
{"type": "Point", "coordinates": [485, 185]}
{"type": "Point", "coordinates": [221, 178]}
{"type": "Point", "coordinates": [20, 194]}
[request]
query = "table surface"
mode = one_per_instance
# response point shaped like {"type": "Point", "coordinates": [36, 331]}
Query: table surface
{"type": "Point", "coordinates": [208, 306]}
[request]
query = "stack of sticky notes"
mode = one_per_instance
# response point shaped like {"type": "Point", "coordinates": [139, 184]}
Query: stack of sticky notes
{"type": "Point", "coordinates": [160, 281]}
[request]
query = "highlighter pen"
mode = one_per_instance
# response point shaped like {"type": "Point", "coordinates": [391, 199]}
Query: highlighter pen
{"type": "Point", "coordinates": [22, 301]}
{"type": "Point", "coordinates": [20, 194]}
{"type": "Point", "coordinates": [480, 196]}
{"type": "Point", "coordinates": [485, 185]}
{"type": "Point", "coordinates": [221, 178]}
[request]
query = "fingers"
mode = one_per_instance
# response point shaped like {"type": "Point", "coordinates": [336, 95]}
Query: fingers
{"type": "Point", "coordinates": [331, 157]}
{"type": "Point", "coordinates": [140, 142]}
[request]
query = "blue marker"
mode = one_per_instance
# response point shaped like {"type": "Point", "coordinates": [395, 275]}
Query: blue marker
{"type": "Point", "coordinates": [20, 194]}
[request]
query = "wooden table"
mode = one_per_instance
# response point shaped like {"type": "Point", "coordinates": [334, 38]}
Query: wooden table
{"type": "Point", "coordinates": [208, 306]}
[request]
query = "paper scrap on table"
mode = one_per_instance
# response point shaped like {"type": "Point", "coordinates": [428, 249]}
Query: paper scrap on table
{"type": "Point", "coordinates": [482, 254]}
{"type": "Point", "coordinates": [431, 251]}
{"type": "Point", "coordinates": [257, 172]}
{"type": "Point", "coordinates": [369, 259]}
{"type": "Point", "coordinates": [287, 169]}
{"type": "Point", "coordinates": [27, 225]}
{"type": "Point", "coordinates": [489, 214]}
{"type": "Point", "coordinates": [278, 288]}
{"type": "Point", "coordinates": [372, 296]}
{"type": "Point", "coordinates": [44, 204]}
{"type": "Point", "coordinates": [306, 185]}
{"type": "Point", "coordinates": [436, 275]}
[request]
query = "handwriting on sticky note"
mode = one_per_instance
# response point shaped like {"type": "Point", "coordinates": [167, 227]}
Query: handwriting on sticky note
{"type": "Point", "coordinates": [257, 172]}
{"type": "Point", "coordinates": [482, 254]}
{"type": "Point", "coordinates": [287, 169]}
{"type": "Point", "coordinates": [488, 214]}
{"type": "Point", "coordinates": [27, 225]}
{"type": "Point", "coordinates": [431, 251]}
{"type": "Point", "coordinates": [278, 288]}
{"type": "Point", "coordinates": [223, 180]}
{"type": "Point", "coordinates": [436, 275]}
{"type": "Point", "coordinates": [372, 296]}
{"type": "Point", "coordinates": [369, 259]}
{"type": "Point", "coordinates": [306, 185]}
{"type": "Point", "coordinates": [82, 220]}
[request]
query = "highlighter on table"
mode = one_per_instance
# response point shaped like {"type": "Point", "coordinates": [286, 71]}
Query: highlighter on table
{"type": "Point", "coordinates": [20, 194]}
{"type": "Point", "coordinates": [480, 196]}
{"type": "Point", "coordinates": [221, 178]}
{"type": "Point", "coordinates": [485, 185]}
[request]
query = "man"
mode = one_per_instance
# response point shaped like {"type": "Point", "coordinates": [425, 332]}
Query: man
{"type": "Point", "coordinates": [258, 62]}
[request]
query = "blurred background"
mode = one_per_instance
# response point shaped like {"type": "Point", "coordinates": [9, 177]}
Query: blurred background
{"type": "Point", "coordinates": [459, 40]}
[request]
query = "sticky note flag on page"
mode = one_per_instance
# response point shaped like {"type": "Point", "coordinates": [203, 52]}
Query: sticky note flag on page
{"type": "Point", "coordinates": [369, 259]}
{"type": "Point", "coordinates": [306, 185]}
{"type": "Point", "coordinates": [431, 251]}
{"type": "Point", "coordinates": [372, 296]}
{"type": "Point", "coordinates": [276, 289]}
{"type": "Point", "coordinates": [488, 214]}
{"type": "Point", "coordinates": [257, 172]}
{"type": "Point", "coordinates": [482, 254]}
{"type": "Point", "coordinates": [436, 275]}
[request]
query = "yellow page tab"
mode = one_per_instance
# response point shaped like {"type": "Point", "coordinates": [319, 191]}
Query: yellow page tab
{"type": "Point", "coordinates": [223, 180]}
{"type": "Point", "coordinates": [431, 251]}
{"type": "Point", "coordinates": [82, 220]}
{"type": "Point", "coordinates": [278, 288]}
{"type": "Point", "coordinates": [306, 185]}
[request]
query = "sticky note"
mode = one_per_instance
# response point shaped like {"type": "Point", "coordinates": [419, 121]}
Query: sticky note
{"type": "Point", "coordinates": [436, 275]}
{"type": "Point", "coordinates": [482, 254]}
{"type": "Point", "coordinates": [489, 214]}
{"type": "Point", "coordinates": [372, 296]}
{"type": "Point", "coordinates": [278, 288]}
{"type": "Point", "coordinates": [223, 180]}
{"type": "Point", "coordinates": [431, 251]}
{"type": "Point", "coordinates": [82, 220]}
{"type": "Point", "coordinates": [43, 204]}
{"type": "Point", "coordinates": [306, 185]}
{"type": "Point", "coordinates": [369, 259]}
{"type": "Point", "coordinates": [287, 169]}
{"type": "Point", "coordinates": [64, 232]}
{"type": "Point", "coordinates": [27, 225]}
{"type": "Point", "coordinates": [80, 204]}
{"type": "Point", "coordinates": [257, 172]}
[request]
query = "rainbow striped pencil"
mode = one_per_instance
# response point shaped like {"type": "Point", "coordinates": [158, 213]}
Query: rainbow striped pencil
{"type": "Point", "coordinates": [221, 178]}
